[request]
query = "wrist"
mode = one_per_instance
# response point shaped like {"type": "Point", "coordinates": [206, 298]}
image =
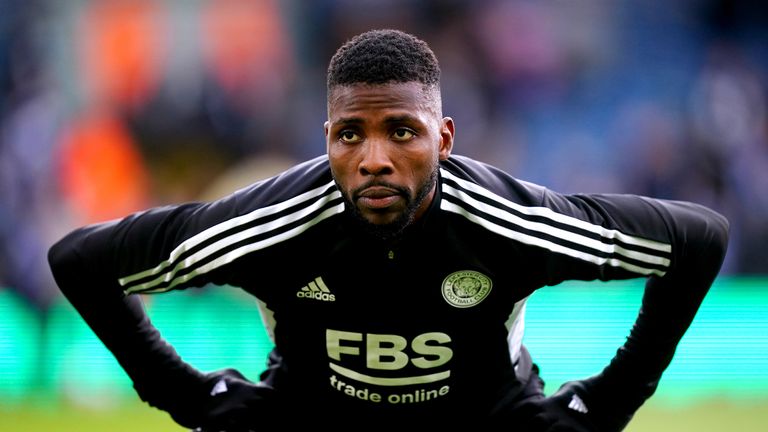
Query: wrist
{"type": "Point", "coordinates": [180, 391]}
{"type": "Point", "coordinates": [619, 393]}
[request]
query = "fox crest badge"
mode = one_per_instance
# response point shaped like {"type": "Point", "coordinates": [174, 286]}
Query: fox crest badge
{"type": "Point", "coordinates": [466, 288]}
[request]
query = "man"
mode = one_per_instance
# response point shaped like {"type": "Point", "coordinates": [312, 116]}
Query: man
{"type": "Point", "coordinates": [393, 275]}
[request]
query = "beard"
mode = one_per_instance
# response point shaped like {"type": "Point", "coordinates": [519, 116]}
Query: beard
{"type": "Point", "coordinates": [393, 230]}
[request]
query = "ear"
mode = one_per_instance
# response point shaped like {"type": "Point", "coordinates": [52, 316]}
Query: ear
{"type": "Point", "coordinates": [447, 131]}
{"type": "Point", "coordinates": [327, 129]}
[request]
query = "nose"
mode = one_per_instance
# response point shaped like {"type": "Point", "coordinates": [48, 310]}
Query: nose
{"type": "Point", "coordinates": [376, 158]}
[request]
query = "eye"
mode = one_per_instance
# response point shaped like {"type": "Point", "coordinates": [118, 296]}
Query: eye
{"type": "Point", "coordinates": [403, 134]}
{"type": "Point", "coordinates": [349, 136]}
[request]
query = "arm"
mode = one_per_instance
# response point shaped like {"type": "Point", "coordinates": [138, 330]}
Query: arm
{"type": "Point", "coordinates": [87, 265]}
{"type": "Point", "coordinates": [160, 376]}
{"type": "Point", "coordinates": [670, 301]}
{"type": "Point", "coordinates": [99, 267]}
{"type": "Point", "coordinates": [668, 308]}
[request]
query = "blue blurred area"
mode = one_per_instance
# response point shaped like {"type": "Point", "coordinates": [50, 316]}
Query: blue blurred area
{"type": "Point", "coordinates": [110, 106]}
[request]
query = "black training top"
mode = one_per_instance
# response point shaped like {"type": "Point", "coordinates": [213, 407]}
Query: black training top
{"type": "Point", "coordinates": [432, 324]}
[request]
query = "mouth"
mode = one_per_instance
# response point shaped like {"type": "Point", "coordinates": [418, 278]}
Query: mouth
{"type": "Point", "coordinates": [378, 197]}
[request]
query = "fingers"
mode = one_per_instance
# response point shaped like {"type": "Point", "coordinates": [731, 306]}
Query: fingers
{"type": "Point", "coordinates": [236, 404]}
{"type": "Point", "coordinates": [538, 423]}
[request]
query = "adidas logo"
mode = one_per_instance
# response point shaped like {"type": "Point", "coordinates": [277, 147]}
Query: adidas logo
{"type": "Point", "coordinates": [577, 404]}
{"type": "Point", "coordinates": [316, 290]}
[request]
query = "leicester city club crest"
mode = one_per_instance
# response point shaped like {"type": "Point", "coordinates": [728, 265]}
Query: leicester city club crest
{"type": "Point", "coordinates": [466, 288]}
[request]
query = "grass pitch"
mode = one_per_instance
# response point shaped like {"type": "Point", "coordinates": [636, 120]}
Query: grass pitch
{"type": "Point", "coordinates": [713, 416]}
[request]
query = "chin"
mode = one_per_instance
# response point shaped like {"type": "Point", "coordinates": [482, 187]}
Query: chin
{"type": "Point", "coordinates": [385, 232]}
{"type": "Point", "coordinates": [384, 228]}
{"type": "Point", "coordinates": [382, 220]}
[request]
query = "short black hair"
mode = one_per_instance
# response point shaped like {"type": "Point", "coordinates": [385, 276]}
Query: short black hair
{"type": "Point", "coordinates": [382, 56]}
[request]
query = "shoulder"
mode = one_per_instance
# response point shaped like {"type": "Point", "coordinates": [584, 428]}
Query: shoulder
{"type": "Point", "coordinates": [463, 174]}
{"type": "Point", "coordinates": [306, 181]}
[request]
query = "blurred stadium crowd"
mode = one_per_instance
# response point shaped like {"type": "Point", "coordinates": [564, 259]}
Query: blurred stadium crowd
{"type": "Point", "coordinates": [111, 106]}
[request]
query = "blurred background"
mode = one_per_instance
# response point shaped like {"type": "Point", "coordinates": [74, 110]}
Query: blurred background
{"type": "Point", "coordinates": [112, 106]}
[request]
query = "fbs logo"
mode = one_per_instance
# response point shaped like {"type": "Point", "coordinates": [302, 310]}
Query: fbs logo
{"type": "Point", "coordinates": [316, 290]}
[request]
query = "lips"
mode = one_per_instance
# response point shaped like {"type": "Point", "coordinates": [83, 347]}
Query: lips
{"type": "Point", "coordinates": [378, 197]}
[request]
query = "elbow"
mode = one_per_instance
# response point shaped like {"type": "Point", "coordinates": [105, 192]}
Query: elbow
{"type": "Point", "coordinates": [58, 253]}
{"type": "Point", "coordinates": [718, 228]}
{"type": "Point", "coordinates": [708, 240]}
{"type": "Point", "coordinates": [65, 263]}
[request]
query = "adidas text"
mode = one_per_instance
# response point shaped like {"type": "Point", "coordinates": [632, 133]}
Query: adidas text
{"type": "Point", "coordinates": [316, 290]}
{"type": "Point", "coordinates": [316, 295]}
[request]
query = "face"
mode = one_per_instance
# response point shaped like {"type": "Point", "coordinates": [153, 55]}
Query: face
{"type": "Point", "coordinates": [384, 143]}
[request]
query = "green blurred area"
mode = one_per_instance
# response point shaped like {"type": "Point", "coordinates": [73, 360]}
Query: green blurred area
{"type": "Point", "coordinates": [56, 356]}
{"type": "Point", "coordinates": [54, 372]}
{"type": "Point", "coordinates": [573, 330]}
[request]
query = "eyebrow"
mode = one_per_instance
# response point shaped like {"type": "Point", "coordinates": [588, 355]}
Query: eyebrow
{"type": "Point", "coordinates": [405, 118]}
{"type": "Point", "coordinates": [350, 121]}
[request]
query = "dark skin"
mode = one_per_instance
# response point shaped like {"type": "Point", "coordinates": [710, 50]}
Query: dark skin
{"type": "Point", "coordinates": [384, 143]}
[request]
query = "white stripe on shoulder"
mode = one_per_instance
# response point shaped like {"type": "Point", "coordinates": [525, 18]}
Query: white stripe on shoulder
{"type": "Point", "coordinates": [233, 223]}
{"type": "Point", "coordinates": [554, 231]}
{"type": "Point", "coordinates": [554, 247]}
{"type": "Point", "coordinates": [229, 256]}
{"type": "Point", "coordinates": [615, 251]}
{"type": "Point", "coordinates": [561, 218]}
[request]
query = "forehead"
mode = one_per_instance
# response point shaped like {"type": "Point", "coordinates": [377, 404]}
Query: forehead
{"type": "Point", "coordinates": [358, 99]}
